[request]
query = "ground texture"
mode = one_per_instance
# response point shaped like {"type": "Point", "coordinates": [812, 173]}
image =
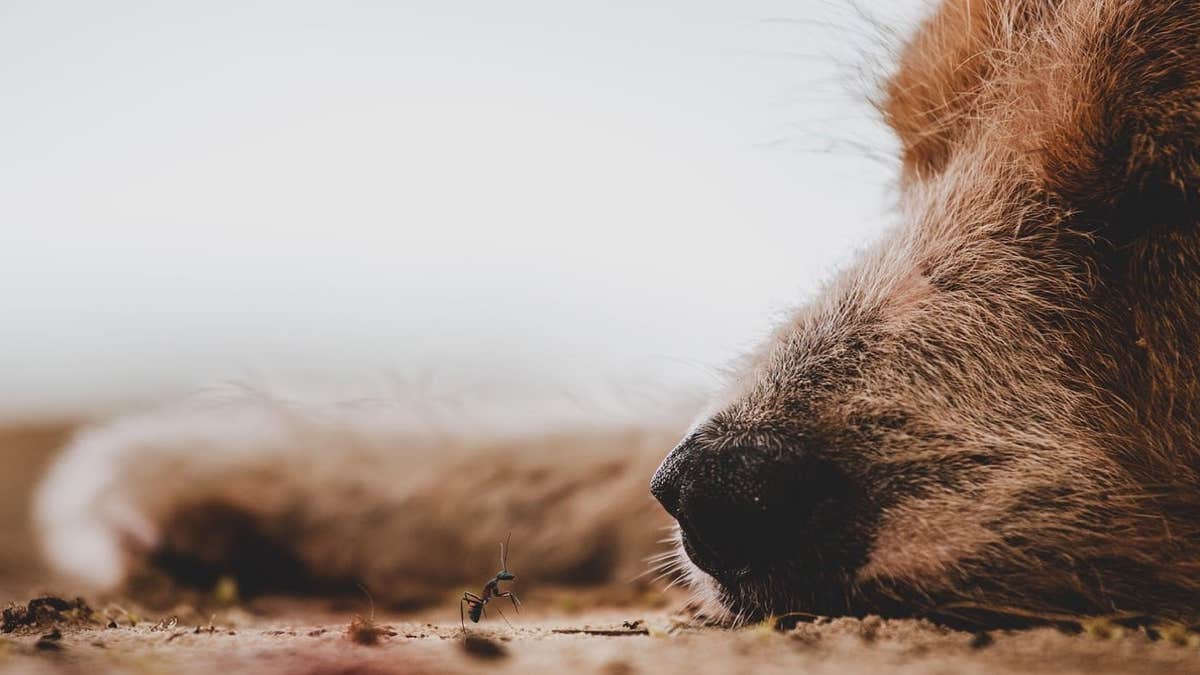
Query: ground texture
{"type": "Point", "coordinates": [295, 638]}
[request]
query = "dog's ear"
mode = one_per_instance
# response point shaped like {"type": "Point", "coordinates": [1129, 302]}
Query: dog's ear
{"type": "Point", "coordinates": [948, 71]}
{"type": "Point", "coordinates": [1096, 101]}
{"type": "Point", "coordinates": [1120, 116]}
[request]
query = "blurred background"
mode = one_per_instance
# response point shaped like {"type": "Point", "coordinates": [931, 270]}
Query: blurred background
{"type": "Point", "coordinates": [521, 200]}
{"type": "Point", "coordinates": [532, 204]}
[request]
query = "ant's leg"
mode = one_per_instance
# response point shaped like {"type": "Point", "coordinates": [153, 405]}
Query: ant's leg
{"type": "Point", "coordinates": [511, 596]}
{"type": "Point", "coordinates": [468, 597]}
{"type": "Point", "coordinates": [504, 617]}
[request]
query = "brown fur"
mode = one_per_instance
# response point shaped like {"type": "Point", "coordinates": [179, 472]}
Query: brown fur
{"type": "Point", "coordinates": [1010, 377]}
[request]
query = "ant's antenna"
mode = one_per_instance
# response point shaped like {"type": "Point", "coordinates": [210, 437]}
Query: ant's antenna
{"type": "Point", "coordinates": [370, 599]}
{"type": "Point", "coordinates": [504, 552]}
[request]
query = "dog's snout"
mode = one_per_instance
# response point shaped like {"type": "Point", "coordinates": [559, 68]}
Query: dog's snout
{"type": "Point", "coordinates": [666, 481]}
{"type": "Point", "coordinates": [743, 507]}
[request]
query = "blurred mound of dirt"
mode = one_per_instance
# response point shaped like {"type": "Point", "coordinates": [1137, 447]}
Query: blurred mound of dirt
{"type": "Point", "coordinates": [46, 612]}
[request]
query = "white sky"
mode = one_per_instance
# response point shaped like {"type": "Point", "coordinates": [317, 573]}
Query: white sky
{"type": "Point", "coordinates": [481, 196]}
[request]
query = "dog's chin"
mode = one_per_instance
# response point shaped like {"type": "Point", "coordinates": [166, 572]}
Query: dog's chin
{"type": "Point", "coordinates": [754, 593]}
{"type": "Point", "coordinates": [746, 598]}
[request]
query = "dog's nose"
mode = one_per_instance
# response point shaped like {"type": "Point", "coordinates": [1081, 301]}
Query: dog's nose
{"type": "Point", "coordinates": [742, 508]}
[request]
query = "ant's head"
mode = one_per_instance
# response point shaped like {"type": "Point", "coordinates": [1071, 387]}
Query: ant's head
{"type": "Point", "coordinates": [505, 575]}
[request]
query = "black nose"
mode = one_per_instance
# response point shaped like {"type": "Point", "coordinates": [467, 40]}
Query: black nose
{"type": "Point", "coordinates": [743, 508]}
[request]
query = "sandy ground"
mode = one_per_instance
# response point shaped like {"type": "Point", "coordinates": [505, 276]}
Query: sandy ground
{"type": "Point", "coordinates": [560, 630]}
{"type": "Point", "coordinates": [299, 639]}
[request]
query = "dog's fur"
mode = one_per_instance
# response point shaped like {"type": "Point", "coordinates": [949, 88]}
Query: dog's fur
{"type": "Point", "coordinates": [1011, 378]}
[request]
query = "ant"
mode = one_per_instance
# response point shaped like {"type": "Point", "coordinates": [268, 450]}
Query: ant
{"type": "Point", "coordinates": [491, 590]}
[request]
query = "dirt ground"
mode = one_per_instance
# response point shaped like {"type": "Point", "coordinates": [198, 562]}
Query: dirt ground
{"type": "Point", "coordinates": [300, 638]}
{"type": "Point", "coordinates": [559, 630]}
